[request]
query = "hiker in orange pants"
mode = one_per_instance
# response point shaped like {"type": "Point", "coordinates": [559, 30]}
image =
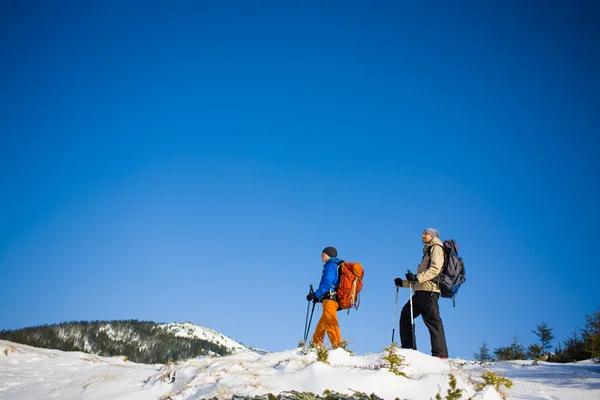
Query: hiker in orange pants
{"type": "Point", "coordinates": [326, 294]}
{"type": "Point", "coordinates": [328, 323]}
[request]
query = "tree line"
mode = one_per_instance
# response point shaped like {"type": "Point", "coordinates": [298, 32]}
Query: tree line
{"type": "Point", "coordinates": [139, 341]}
{"type": "Point", "coordinates": [583, 344]}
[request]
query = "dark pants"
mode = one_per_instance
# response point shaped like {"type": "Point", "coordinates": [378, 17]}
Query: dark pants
{"type": "Point", "coordinates": [425, 304]}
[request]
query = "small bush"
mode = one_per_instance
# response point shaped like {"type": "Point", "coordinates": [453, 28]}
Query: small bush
{"type": "Point", "coordinates": [308, 347]}
{"type": "Point", "coordinates": [323, 354]}
{"type": "Point", "coordinates": [491, 379]}
{"type": "Point", "coordinates": [333, 395]}
{"type": "Point", "coordinates": [453, 392]}
{"type": "Point", "coordinates": [393, 360]}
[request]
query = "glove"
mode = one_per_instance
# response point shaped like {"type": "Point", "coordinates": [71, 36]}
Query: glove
{"type": "Point", "coordinates": [311, 296]}
{"type": "Point", "coordinates": [398, 282]}
{"type": "Point", "coordinates": [411, 277]}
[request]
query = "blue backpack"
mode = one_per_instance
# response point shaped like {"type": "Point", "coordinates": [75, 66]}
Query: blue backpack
{"type": "Point", "coordinates": [453, 271]}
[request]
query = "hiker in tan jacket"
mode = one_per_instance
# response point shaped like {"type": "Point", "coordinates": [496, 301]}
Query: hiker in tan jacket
{"type": "Point", "coordinates": [426, 296]}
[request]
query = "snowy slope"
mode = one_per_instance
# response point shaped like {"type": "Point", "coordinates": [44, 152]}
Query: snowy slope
{"type": "Point", "coordinates": [189, 330]}
{"type": "Point", "coordinates": [31, 373]}
{"type": "Point", "coordinates": [142, 341]}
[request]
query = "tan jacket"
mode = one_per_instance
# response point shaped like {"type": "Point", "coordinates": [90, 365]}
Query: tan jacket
{"type": "Point", "coordinates": [430, 267]}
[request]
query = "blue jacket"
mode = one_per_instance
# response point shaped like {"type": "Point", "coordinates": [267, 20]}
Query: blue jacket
{"type": "Point", "coordinates": [329, 279]}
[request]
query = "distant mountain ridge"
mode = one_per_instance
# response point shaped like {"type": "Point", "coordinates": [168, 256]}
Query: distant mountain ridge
{"type": "Point", "coordinates": [140, 341]}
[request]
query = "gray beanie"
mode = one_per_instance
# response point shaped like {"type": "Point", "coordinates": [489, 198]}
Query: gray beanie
{"type": "Point", "coordinates": [433, 232]}
{"type": "Point", "coordinates": [330, 251]}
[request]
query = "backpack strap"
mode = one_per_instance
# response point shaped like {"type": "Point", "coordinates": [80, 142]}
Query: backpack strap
{"type": "Point", "coordinates": [429, 251]}
{"type": "Point", "coordinates": [339, 265]}
{"type": "Point", "coordinates": [438, 277]}
{"type": "Point", "coordinates": [333, 291]}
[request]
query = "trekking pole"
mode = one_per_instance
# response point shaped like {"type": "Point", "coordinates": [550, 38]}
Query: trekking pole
{"type": "Point", "coordinates": [394, 322]}
{"type": "Point", "coordinates": [412, 319]}
{"type": "Point", "coordinates": [307, 324]}
{"type": "Point", "coordinates": [307, 308]}
{"type": "Point", "coordinates": [309, 321]}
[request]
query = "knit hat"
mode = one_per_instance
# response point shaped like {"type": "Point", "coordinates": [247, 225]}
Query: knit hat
{"type": "Point", "coordinates": [433, 232]}
{"type": "Point", "coordinates": [330, 251]}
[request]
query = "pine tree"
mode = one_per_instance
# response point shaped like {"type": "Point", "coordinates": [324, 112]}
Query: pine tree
{"type": "Point", "coordinates": [503, 353]}
{"type": "Point", "coordinates": [591, 334]}
{"type": "Point", "coordinates": [484, 353]}
{"type": "Point", "coordinates": [517, 350]}
{"type": "Point", "coordinates": [535, 351]}
{"type": "Point", "coordinates": [545, 334]}
{"type": "Point", "coordinates": [574, 348]}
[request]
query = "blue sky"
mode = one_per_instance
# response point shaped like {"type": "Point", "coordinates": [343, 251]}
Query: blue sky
{"type": "Point", "coordinates": [174, 161]}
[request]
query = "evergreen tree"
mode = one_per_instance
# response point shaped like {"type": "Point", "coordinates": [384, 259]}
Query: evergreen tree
{"type": "Point", "coordinates": [503, 353]}
{"type": "Point", "coordinates": [517, 349]}
{"type": "Point", "coordinates": [535, 351]}
{"type": "Point", "coordinates": [545, 334]}
{"type": "Point", "coordinates": [591, 335]}
{"type": "Point", "coordinates": [484, 353]}
{"type": "Point", "coordinates": [574, 349]}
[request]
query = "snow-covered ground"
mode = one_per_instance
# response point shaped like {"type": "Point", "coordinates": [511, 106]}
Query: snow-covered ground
{"type": "Point", "coordinates": [31, 373]}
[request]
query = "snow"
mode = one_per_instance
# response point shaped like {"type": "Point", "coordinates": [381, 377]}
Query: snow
{"type": "Point", "coordinates": [31, 373]}
{"type": "Point", "coordinates": [189, 330]}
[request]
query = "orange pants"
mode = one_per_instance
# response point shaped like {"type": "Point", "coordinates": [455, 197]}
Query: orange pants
{"type": "Point", "coordinates": [328, 323]}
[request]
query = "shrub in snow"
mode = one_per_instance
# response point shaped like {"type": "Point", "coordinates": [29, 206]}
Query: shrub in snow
{"type": "Point", "coordinates": [393, 360]}
{"type": "Point", "coordinates": [332, 395]}
{"type": "Point", "coordinates": [453, 392]}
{"type": "Point", "coordinates": [323, 354]}
{"type": "Point", "coordinates": [491, 379]}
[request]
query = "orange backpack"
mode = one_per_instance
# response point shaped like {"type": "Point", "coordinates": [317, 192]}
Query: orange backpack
{"type": "Point", "coordinates": [349, 285]}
